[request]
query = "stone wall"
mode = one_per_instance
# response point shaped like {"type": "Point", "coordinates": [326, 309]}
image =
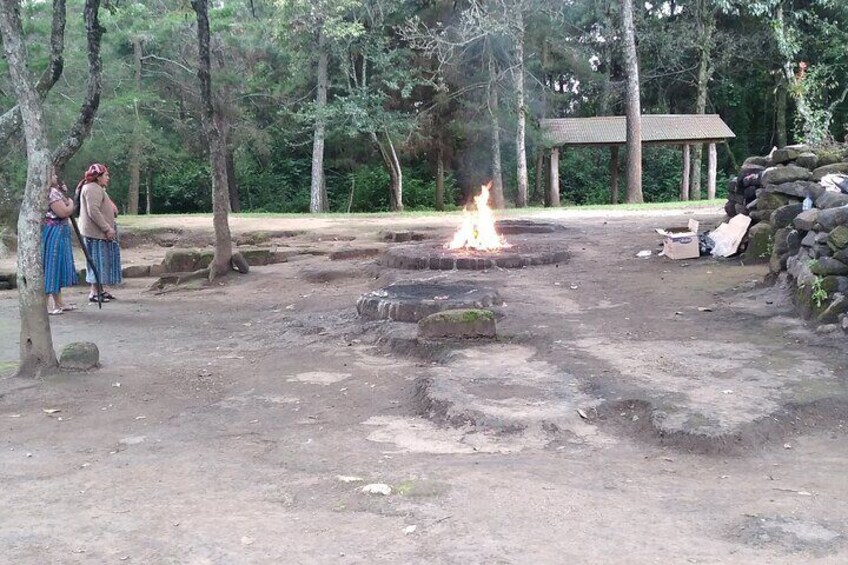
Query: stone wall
{"type": "Point", "coordinates": [797, 198]}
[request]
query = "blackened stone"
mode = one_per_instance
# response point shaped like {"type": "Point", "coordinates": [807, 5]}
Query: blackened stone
{"type": "Point", "coordinates": [839, 305]}
{"type": "Point", "coordinates": [459, 323]}
{"type": "Point", "coordinates": [793, 241]}
{"type": "Point", "coordinates": [806, 220]}
{"type": "Point", "coordinates": [832, 284]}
{"type": "Point", "coordinates": [5, 285]}
{"type": "Point", "coordinates": [824, 266]}
{"type": "Point", "coordinates": [760, 239]}
{"type": "Point", "coordinates": [809, 240]}
{"type": "Point", "coordinates": [771, 200]}
{"type": "Point", "coordinates": [832, 217]}
{"type": "Point", "coordinates": [79, 356]}
{"type": "Point", "coordinates": [784, 173]}
{"type": "Point", "coordinates": [784, 215]}
{"type": "Point", "coordinates": [831, 200]}
{"type": "Point", "coordinates": [820, 172]}
{"type": "Point", "coordinates": [821, 250]}
{"type": "Point", "coordinates": [760, 215]}
{"type": "Point", "coordinates": [730, 208]}
{"type": "Point", "coordinates": [410, 302]}
{"type": "Point", "coordinates": [784, 155]}
{"type": "Point", "coordinates": [799, 188]}
{"type": "Point", "coordinates": [781, 244]}
{"type": "Point", "coordinates": [808, 160]}
{"type": "Point", "coordinates": [756, 161]}
{"type": "Point", "coordinates": [838, 237]}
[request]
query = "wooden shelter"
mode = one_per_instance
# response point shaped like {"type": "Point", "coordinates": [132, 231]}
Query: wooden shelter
{"type": "Point", "coordinates": [657, 129]}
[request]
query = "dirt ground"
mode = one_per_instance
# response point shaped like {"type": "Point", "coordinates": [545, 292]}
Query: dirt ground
{"type": "Point", "coordinates": [631, 411]}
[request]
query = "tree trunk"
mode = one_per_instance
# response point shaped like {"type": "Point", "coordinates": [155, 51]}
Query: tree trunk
{"type": "Point", "coordinates": [232, 183]}
{"type": "Point", "coordinates": [706, 26]}
{"type": "Point", "coordinates": [222, 261]}
{"type": "Point", "coordinates": [695, 173]}
{"type": "Point", "coordinates": [440, 177]}
{"type": "Point", "coordinates": [88, 110]}
{"type": "Point", "coordinates": [497, 194]}
{"type": "Point", "coordinates": [135, 150]}
{"type": "Point", "coordinates": [780, 112]}
{"type": "Point", "coordinates": [539, 180]}
{"type": "Point", "coordinates": [10, 121]}
{"type": "Point", "coordinates": [316, 202]}
{"type": "Point", "coordinates": [712, 162]}
{"type": "Point", "coordinates": [149, 208]}
{"type": "Point", "coordinates": [553, 197]}
{"type": "Point", "coordinates": [633, 107]}
{"type": "Point", "coordinates": [390, 159]}
{"type": "Point", "coordinates": [520, 129]}
{"type": "Point", "coordinates": [36, 345]}
{"type": "Point", "coordinates": [684, 180]}
{"type": "Point", "coordinates": [614, 174]}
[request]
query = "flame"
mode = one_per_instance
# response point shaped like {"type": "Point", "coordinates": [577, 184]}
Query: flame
{"type": "Point", "coordinates": [478, 229]}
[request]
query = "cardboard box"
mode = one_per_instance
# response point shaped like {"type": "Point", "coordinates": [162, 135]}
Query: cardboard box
{"type": "Point", "coordinates": [681, 243]}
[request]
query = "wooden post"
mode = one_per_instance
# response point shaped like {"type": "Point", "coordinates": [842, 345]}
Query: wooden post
{"type": "Point", "coordinates": [684, 179]}
{"type": "Point", "coordinates": [554, 197]}
{"type": "Point", "coordinates": [711, 171]}
{"type": "Point", "coordinates": [614, 174]}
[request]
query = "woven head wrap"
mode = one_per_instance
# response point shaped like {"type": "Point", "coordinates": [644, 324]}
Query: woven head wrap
{"type": "Point", "coordinates": [94, 172]}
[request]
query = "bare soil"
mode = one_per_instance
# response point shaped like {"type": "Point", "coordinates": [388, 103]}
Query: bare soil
{"type": "Point", "coordinates": [631, 411]}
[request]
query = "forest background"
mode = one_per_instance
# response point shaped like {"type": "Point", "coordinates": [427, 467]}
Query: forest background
{"type": "Point", "coordinates": [425, 85]}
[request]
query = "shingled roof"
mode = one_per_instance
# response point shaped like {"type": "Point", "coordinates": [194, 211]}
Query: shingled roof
{"type": "Point", "coordinates": [656, 128]}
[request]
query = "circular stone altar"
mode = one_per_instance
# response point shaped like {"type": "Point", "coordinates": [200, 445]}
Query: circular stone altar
{"type": "Point", "coordinates": [410, 302]}
{"type": "Point", "coordinates": [521, 253]}
{"type": "Point", "coordinates": [507, 227]}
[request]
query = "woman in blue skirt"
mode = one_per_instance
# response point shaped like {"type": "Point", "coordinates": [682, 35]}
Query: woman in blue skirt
{"type": "Point", "coordinates": [97, 224]}
{"type": "Point", "coordinates": [56, 251]}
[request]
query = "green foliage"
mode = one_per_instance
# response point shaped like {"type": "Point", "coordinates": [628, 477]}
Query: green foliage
{"type": "Point", "coordinates": [585, 175]}
{"type": "Point", "coordinates": [819, 294]}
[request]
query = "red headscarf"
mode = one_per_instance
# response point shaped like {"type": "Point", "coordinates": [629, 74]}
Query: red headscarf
{"type": "Point", "coordinates": [92, 174]}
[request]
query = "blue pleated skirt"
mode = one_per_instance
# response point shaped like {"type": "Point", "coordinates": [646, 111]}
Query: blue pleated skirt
{"type": "Point", "coordinates": [58, 257]}
{"type": "Point", "coordinates": [106, 255]}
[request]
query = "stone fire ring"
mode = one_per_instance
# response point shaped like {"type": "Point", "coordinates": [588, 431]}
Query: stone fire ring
{"type": "Point", "coordinates": [507, 227]}
{"type": "Point", "coordinates": [410, 302]}
{"type": "Point", "coordinates": [436, 257]}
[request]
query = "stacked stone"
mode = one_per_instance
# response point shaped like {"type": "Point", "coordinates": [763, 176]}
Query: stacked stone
{"type": "Point", "coordinates": [807, 247]}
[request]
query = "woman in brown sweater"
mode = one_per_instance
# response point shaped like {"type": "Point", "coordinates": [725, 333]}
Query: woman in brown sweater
{"type": "Point", "coordinates": [97, 224]}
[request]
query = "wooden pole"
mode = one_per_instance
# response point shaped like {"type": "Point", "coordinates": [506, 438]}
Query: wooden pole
{"type": "Point", "coordinates": [712, 161]}
{"type": "Point", "coordinates": [614, 174]}
{"type": "Point", "coordinates": [554, 197]}
{"type": "Point", "coordinates": [684, 179]}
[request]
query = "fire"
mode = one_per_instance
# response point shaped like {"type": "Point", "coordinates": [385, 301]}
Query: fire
{"type": "Point", "coordinates": [478, 229]}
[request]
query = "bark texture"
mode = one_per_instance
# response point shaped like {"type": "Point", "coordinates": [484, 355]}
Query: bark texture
{"type": "Point", "coordinates": [82, 127]}
{"type": "Point", "coordinates": [521, 111]}
{"type": "Point", "coordinates": [633, 107]}
{"type": "Point", "coordinates": [497, 194]}
{"type": "Point", "coordinates": [316, 201]}
{"type": "Point", "coordinates": [135, 150]}
{"type": "Point", "coordinates": [222, 261]}
{"type": "Point", "coordinates": [36, 341]}
{"type": "Point", "coordinates": [10, 121]}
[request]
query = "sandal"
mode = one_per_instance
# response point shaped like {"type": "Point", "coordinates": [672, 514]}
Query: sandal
{"type": "Point", "coordinates": [107, 296]}
{"type": "Point", "coordinates": [95, 300]}
{"type": "Point", "coordinates": [69, 307]}
{"type": "Point", "coordinates": [55, 312]}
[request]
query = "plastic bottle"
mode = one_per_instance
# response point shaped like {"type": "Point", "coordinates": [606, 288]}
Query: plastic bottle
{"type": "Point", "coordinates": [808, 203]}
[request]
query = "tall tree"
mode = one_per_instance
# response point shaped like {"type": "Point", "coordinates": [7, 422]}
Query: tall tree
{"type": "Point", "coordinates": [222, 261]}
{"type": "Point", "coordinates": [10, 121]}
{"type": "Point", "coordinates": [633, 106]}
{"type": "Point", "coordinates": [36, 340]}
